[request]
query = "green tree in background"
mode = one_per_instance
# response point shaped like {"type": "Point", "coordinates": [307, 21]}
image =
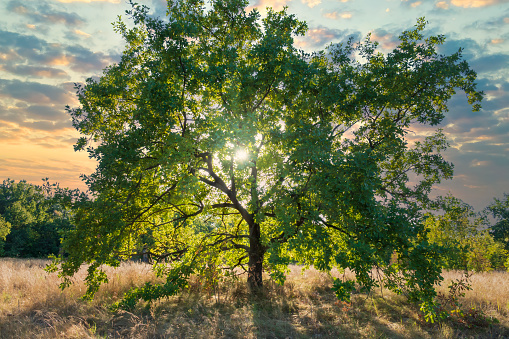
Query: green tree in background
{"type": "Point", "coordinates": [500, 211]}
{"type": "Point", "coordinates": [33, 219]}
{"type": "Point", "coordinates": [218, 141]}
{"type": "Point", "coordinates": [5, 229]}
{"type": "Point", "coordinates": [463, 238]}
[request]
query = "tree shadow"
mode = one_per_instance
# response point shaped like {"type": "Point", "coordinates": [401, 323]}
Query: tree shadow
{"type": "Point", "coordinates": [279, 314]}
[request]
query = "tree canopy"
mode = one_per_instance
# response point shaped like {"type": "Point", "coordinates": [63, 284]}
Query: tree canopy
{"type": "Point", "coordinates": [220, 142]}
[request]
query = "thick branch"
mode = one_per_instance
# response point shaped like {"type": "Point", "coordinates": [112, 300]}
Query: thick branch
{"type": "Point", "coordinates": [220, 184]}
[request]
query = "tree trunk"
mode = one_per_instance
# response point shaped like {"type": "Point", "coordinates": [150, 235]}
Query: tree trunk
{"type": "Point", "coordinates": [255, 265]}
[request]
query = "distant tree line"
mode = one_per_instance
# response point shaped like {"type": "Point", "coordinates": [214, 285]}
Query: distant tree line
{"type": "Point", "coordinates": [33, 219]}
{"type": "Point", "coordinates": [466, 239]}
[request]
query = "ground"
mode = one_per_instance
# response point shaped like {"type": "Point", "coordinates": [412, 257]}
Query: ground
{"type": "Point", "coordinates": [32, 306]}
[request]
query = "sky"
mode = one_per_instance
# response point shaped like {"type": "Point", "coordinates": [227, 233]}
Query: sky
{"type": "Point", "coordinates": [48, 45]}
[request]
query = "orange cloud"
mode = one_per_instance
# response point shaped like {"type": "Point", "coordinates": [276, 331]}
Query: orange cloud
{"type": "Point", "coordinates": [77, 31]}
{"type": "Point", "coordinates": [497, 41]}
{"type": "Point", "coordinates": [5, 56]}
{"type": "Point", "coordinates": [315, 37]}
{"type": "Point", "coordinates": [61, 61]}
{"type": "Point", "coordinates": [475, 163]}
{"type": "Point", "coordinates": [336, 15]}
{"type": "Point", "coordinates": [415, 4]}
{"type": "Point", "coordinates": [475, 3]}
{"type": "Point", "coordinates": [442, 5]}
{"type": "Point", "coordinates": [311, 3]}
{"type": "Point", "coordinates": [386, 41]}
{"type": "Point", "coordinates": [261, 5]}
{"type": "Point", "coordinates": [333, 15]}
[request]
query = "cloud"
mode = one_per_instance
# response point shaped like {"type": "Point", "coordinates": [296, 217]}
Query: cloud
{"type": "Point", "coordinates": [475, 163]}
{"type": "Point", "coordinates": [479, 172]}
{"type": "Point", "coordinates": [49, 126]}
{"type": "Point", "coordinates": [78, 32]}
{"type": "Point", "coordinates": [33, 92]}
{"type": "Point", "coordinates": [320, 36]}
{"type": "Point", "coordinates": [497, 41]}
{"type": "Point", "coordinates": [44, 13]}
{"type": "Point", "coordinates": [47, 112]}
{"type": "Point", "coordinates": [20, 125]}
{"type": "Point", "coordinates": [385, 39]}
{"type": "Point", "coordinates": [479, 143]}
{"type": "Point", "coordinates": [261, 5]}
{"type": "Point", "coordinates": [476, 3]}
{"type": "Point", "coordinates": [442, 5]}
{"type": "Point", "coordinates": [311, 3]}
{"type": "Point", "coordinates": [490, 63]}
{"type": "Point", "coordinates": [27, 52]}
{"type": "Point", "coordinates": [336, 15]}
{"type": "Point", "coordinates": [413, 4]}
{"type": "Point", "coordinates": [471, 48]}
{"type": "Point", "coordinates": [24, 131]}
{"type": "Point", "coordinates": [35, 71]}
{"type": "Point", "coordinates": [85, 60]}
{"type": "Point", "coordinates": [495, 25]}
{"type": "Point", "coordinates": [19, 49]}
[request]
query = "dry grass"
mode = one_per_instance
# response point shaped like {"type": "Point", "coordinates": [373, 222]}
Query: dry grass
{"type": "Point", "coordinates": [32, 306]}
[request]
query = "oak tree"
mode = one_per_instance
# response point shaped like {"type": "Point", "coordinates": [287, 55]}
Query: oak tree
{"type": "Point", "coordinates": [218, 141]}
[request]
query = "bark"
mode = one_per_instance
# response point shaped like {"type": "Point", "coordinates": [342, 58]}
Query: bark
{"type": "Point", "coordinates": [255, 265]}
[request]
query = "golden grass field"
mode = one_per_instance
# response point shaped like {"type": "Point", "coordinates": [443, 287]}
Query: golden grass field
{"type": "Point", "coordinates": [32, 306]}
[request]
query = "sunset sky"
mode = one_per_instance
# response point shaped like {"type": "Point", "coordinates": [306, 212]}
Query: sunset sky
{"type": "Point", "coordinates": [47, 45]}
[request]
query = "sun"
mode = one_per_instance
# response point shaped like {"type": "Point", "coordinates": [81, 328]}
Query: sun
{"type": "Point", "coordinates": [241, 155]}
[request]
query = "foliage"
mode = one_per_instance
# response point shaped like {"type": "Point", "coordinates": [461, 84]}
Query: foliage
{"type": "Point", "coordinates": [5, 229]}
{"type": "Point", "coordinates": [462, 237]}
{"type": "Point", "coordinates": [325, 176]}
{"type": "Point", "coordinates": [485, 253]}
{"type": "Point", "coordinates": [449, 307]}
{"type": "Point", "coordinates": [343, 289]}
{"type": "Point", "coordinates": [500, 211]}
{"type": "Point", "coordinates": [31, 219]}
{"type": "Point", "coordinates": [174, 283]}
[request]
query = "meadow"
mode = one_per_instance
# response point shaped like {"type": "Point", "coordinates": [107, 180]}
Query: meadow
{"type": "Point", "coordinates": [32, 306]}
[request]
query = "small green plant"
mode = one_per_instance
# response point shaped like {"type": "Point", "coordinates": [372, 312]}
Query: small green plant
{"type": "Point", "coordinates": [449, 308]}
{"type": "Point", "coordinates": [449, 303]}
